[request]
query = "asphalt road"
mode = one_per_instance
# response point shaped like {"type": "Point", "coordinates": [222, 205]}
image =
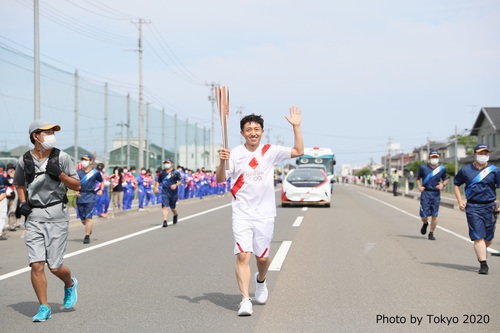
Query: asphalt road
{"type": "Point", "coordinates": [359, 266]}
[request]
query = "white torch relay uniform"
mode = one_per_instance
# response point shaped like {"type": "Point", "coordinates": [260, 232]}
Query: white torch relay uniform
{"type": "Point", "coordinates": [254, 204]}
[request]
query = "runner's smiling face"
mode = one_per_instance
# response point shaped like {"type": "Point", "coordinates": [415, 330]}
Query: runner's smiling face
{"type": "Point", "coordinates": [252, 132]}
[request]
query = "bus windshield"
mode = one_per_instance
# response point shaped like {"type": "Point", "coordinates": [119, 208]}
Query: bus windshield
{"type": "Point", "coordinates": [317, 155]}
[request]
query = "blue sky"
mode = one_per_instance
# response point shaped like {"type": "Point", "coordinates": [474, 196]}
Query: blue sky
{"type": "Point", "coordinates": [363, 72]}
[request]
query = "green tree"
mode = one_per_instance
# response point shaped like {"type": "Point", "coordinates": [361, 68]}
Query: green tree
{"type": "Point", "coordinates": [413, 166]}
{"type": "Point", "coordinates": [467, 141]}
{"type": "Point", "coordinates": [364, 172]}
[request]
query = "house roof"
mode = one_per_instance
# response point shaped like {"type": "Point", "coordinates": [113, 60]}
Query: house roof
{"type": "Point", "coordinates": [492, 115]}
{"type": "Point", "coordinates": [433, 145]}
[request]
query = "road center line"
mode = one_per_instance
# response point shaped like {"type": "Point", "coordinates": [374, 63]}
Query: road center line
{"type": "Point", "coordinates": [280, 256]}
{"type": "Point", "coordinates": [418, 218]}
{"type": "Point", "coordinates": [298, 221]}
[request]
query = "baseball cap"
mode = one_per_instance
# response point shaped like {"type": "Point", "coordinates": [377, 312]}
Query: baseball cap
{"type": "Point", "coordinates": [481, 147]}
{"type": "Point", "coordinates": [86, 157]}
{"type": "Point", "coordinates": [167, 160]}
{"type": "Point", "coordinates": [43, 125]}
{"type": "Point", "coordinates": [2, 166]}
{"type": "Point", "coordinates": [434, 153]}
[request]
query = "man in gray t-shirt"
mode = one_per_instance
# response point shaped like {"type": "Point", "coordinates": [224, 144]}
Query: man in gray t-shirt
{"type": "Point", "coordinates": [43, 177]}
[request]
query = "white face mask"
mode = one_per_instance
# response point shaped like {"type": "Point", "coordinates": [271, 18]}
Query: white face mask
{"type": "Point", "coordinates": [125, 170]}
{"type": "Point", "coordinates": [434, 161]}
{"type": "Point", "coordinates": [143, 172]}
{"type": "Point", "coordinates": [168, 166]}
{"type": "Point", "coordinates": [482, 159]}
{"type": "Point", "coordinates": [85, 163]}
{"type": "Point", "coordinates": [49, 141]}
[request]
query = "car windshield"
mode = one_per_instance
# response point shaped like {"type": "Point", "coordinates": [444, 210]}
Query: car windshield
{"type": "Point", "coordinates": [313, 166]}
{"type": "Point", "coordinates": [306, 177]}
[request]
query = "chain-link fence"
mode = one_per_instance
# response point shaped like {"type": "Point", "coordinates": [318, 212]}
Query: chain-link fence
{"type": "Point", "coordinates": [94, 116]}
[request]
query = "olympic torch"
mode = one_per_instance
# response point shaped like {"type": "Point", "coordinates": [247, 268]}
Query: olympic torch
{"type": "Point", "coordinates": [222, 96]}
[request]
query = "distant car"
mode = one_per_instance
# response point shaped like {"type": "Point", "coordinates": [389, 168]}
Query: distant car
{"type": "Point", "coordinates": [306, 186]}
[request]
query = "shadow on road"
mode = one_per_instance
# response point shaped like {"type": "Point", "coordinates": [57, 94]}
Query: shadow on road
{"type": "Point", "coordinates": [453, 266]}
{"type": "Point", "coordinates": [29, 309]}
{"type": "Point", "coordinates": [229, 302]}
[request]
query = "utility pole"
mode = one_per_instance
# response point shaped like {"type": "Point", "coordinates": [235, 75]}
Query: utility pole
{"type": "Point", "coordinates": [428, 148]}
{"type": "Point", "coordinates": [75, 152]}
{"type": "Point", "coordinates": [240, 112]}
{"type": "Point", "coordinates": [128, 130]}
{"type": "Point", "coordinates": [268, 135]}
{"type": "Point", "coordinates": [456, 150]}
{"type": "Point", "coordinates": [162, 136]}
{"type": "Point", "coordinates": [196, 144]}
{"type": "Point", "coordinates": [176, 146]}
{"type": "Point", "coordinates": [106, 125]}
{"type": "Point", "coordinates": [37, 58]}
{"type": "Point", "coordinates": [187, 127]}
{"type": "Point", "coordinates": [212, 99]}
{"type": "Point", "coordinates": [147, 136]}
{"type": "Point", "coordinates": [141, 88]}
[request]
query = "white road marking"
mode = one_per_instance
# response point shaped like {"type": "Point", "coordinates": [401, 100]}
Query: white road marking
{"type": "Point", "coordinates": [95, 247]}
{"type": "Point", "coordinates": [418, 218]}
{"type": "Point", "coordinates": [280, 256]}
{"type": "Point", "coordinates": [304, 209]}
{"type": "Point", "coordinates": [298, 221]}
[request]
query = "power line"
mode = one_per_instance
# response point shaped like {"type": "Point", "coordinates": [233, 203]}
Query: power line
{"type": "Point", "coordinates": [116, 17]}
{"type": "Point", "coordinates": [78, 26]}
{"type": "Point", "coordinates": [185, 72]}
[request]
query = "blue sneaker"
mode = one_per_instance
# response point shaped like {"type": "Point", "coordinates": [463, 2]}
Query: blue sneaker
{"type": "Point", "coordinates": [70, 295]}
{"type": "Point", "coordinates": [43, 313]}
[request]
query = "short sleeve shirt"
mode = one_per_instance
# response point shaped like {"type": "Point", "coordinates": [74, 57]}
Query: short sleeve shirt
{"type": "Point", "coordinates": [483, 191]}
{"type": "Point", "coordinates": [88, 181]}
{"type": "Point", "coordinates": [167, 179]}
{"type": "Point", "coordinates": [44, 190]}
{"type": "Point", "coordinates": [430, 177]}
{"type": "Point", "coordinates": [252, 174]}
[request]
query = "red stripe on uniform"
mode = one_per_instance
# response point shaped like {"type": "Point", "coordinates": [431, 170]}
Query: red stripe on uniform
{"type": "Point", "coordinates": [239, 183]}
{"type": "Point", "coordinates": [265, 148]}
{"type": "Point", "coordinates": [239, 247]}
{"type": "Point", "coordinates": [263, 254]}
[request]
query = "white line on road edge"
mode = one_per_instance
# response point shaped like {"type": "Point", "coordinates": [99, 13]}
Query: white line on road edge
{"type": "Point", "coordinates": [298, 221]}
{"type": "Point", "coordinates": [280, 256]}
{"type": "Point", "coordinates": [418, 218]}
{"type": "Point", "coordinates": [95, 247]}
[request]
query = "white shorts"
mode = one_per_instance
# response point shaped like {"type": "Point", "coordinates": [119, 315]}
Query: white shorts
{"type": "Point", "coordinates": [46, 241]}
{"type": "Point", "coordinates": [253, 236]}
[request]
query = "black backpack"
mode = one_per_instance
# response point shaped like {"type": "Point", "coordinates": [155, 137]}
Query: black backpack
{"type": "Point", "coordinates": [30, 174]}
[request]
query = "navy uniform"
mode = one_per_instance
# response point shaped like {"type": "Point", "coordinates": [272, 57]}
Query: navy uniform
{"type": "Point", "coordinates": [169, 181]}
{"type": "Point", "coordinates": [481, 180]}
{"type": "Point", "coordinates": [431, 179]}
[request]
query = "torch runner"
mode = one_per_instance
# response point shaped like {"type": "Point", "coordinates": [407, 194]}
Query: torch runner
{"type": "Point", "coordinates": [222, 96]}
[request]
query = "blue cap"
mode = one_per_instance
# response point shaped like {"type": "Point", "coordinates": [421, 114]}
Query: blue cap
{"type": "Point", "coordinates": [481, 147]}
{"type": "Point", "coordinates": [86, 157]}
{"type": "Point", "coordinates": [2, 166]}
{"type": "Point", "coordinates": [434, 153]}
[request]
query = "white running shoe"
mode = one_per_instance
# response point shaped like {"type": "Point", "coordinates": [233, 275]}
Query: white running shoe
{"type": "Point", "coordinates": [261, 292]}
{"type": "Point", "coordinates": [245, 307]}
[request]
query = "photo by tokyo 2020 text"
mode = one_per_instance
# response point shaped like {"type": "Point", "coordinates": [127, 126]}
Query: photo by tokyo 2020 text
{"type": "Point", "coordinates": [431, 319]}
